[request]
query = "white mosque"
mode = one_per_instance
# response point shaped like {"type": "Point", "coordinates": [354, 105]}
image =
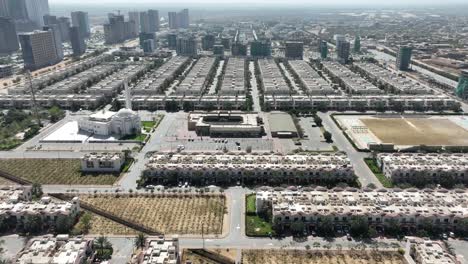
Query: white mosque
{"type": "Point", "coordinates": [105, 123]}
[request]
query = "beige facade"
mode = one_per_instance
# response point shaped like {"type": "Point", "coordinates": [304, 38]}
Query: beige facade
{"type": "Point", "coordinates": [102, 162]}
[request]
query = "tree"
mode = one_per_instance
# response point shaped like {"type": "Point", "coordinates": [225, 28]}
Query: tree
{"type": "Point", "coordinates": [325, 227]}
{"type": "Point", "coordinates": [103, 248]}
{"type": "Point", "coordinates": [85, 223]}
{"type": "Point", "coordinates": [328, 136]}
{"type": "Point", "coordinates": [36, 190]}
{"type": "Point", "coordinates": [393, 227]}
{"type": "Point", "coordinates": [297, 227]}
{"type": "Point", "coordinates": [248, 149]}
{"type": "Point", "coordinates": [32, 224]}
{"type": "Point", "coordinates": [55, 114]}
{"type": "Point", "coordinates": [140, 240]}
{"type": "Point", "coordinates": [359, 227]}
{"type": "Point", "coordinates": [318, 120]}
{"type": "Point", "coordinates": [63, 224]}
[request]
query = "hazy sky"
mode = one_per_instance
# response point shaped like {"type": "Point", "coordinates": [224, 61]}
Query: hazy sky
{"type": "Point", "coordinates": [264, 2]}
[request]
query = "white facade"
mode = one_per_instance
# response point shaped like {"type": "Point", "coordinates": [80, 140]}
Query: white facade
{"type": "Point", "coordinates": [425, 251]}
{"type": "Point", "coordinates": [124, 122]}
{"type": "Point", "coordinates": [160, 250]}
{"type": "Point", "coordinates": [102, 162]}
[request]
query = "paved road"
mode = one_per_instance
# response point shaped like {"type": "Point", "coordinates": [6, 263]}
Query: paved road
{"type": "Point", "coordinates": [363, 172]}
{"type": "Point", "coordinates": [254, 92]}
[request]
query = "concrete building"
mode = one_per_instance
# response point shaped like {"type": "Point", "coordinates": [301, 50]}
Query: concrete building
{"type": "Point", "coordinates": [424, 251]}
{"type": "Point", "coordinates": [309, 80]}
{"type": "Point", "coordinates": [403, 58]}
{"type": "Point", "coordinates": [208, 41]}
{"type": "Point", "coordinates": [80, 19]}
{"type": "Point", "coordinates": [420, 168]}
{"type": "Point", "coordinates": [409, 208]}
{"type": "Point", "coordinates": [186, 46]}
{"type": "Point", "coordinates": [144, 23]}
{"type": "Point", "coordinates": [234, 82]}
{"type": "Point", "coordinates": [462, 88]}
{"type": "Point", "coordinates": [77, 41]}
{"type": "Point", "coordinates": [351, 82]}
{"type": "Point", "coordinates": [146, 36]}
{"type": "Point", "coordinates": [64, 24]}
{"type": "Point", "coordinates": [39, 49]}
{"type": "Point", "coordinates": [248, 169]}
{"type": "Point", "coordinates": [183, 18]}
{"type": "Point", "coordinates": [282, 125]}
{"type": "Point", "coordinates": [218, 50]}
{"type": "Point", "coordinates": [59, 249]}
{"type": "Point", "coordinates": [172, 41]}
{"type": "Point", "coordinates": [135, 17]}
{"type": "Point", "coordinates": [102, 162]}
{"type": "Point", "coordinates": [50, 20]}
{"type": "Point", "coordinates": [239, 49]}
{"type": "Point", "coordinates": [173, 20]}
{"type": "Point", "coordinates": [6, 71]}
{"type": "Point", "coordinates": [118, 30]}
{"type": "Point", "coordinates": [197, 80]}
{"type": "Point", "coordinates": [8, 37]}
{"type": "Point", "coordinates": [148, 46]}
{"type": "Point", "coordinates": [161, 250]}
{"type": "Point", "coordinates": [272, 80]}
{"type": "Point", "coordinates": [323, 49]}
{"type": "Point", "coordinates": [154, 20]}
{"type": "Point", "coordinates": [343, 51]}
{"type": "Point", "coordinates": [122, 123]}
{"type": "Point", "coordinates": [357, 44]}
{"type": "Point", "coordinates": [260, 48]}
{"type": "Point", "coordinates": [15, 194]}
{"type": "Point", "coordinates": [294, 50]}
{"type": "Point", "coordinates": [389, 81]}
{"type": "Point", "coordinates": [225, 124]}
{"type": "Point", "coordinates": [57, 35]}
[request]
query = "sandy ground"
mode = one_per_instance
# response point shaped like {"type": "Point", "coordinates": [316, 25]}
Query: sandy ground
{"type": "Point", "coordinates": [417, 131]}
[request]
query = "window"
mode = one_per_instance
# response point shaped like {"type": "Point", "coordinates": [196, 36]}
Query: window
{"type": "Point", "coordinates": [89, 164]}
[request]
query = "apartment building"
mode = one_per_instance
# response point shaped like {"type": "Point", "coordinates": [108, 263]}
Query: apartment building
{"type": "Point", "coordinates": [261, 168]}
{"type": "Point", "coordinates": [65, 101]}
{"type": "Point", "coordinates": [408, 207]}
{"type": "Point", "coordinates": [234, 82]}
{"type": "Point", "coordinates": [272, 80]}
{"type": "Point", "coordinates": [15, 194]}
{"type": "Point", "coordinates": [205, 102]}
{"type": "Point", "coordinates": [198, 78]}
{"type": "Point", "coordinates": [59, 249]}
{"type": "Point", "coordinates": [424, 167]}
{"type": "Point", "coordinates": [102, 162]}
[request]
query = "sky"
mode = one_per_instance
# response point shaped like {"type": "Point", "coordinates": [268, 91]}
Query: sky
{"type": "Point", "coordinates": [261, 2]}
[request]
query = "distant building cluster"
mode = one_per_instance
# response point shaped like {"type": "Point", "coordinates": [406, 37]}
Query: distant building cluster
{"type": "Point", "coordinates": [409, 208]}
{"type": "Point", "coordinates": [424, 168]}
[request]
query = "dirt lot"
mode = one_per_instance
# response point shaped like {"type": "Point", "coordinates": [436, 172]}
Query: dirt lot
{"type": "Point", "coordinates": [417, 131]}
{"type": "Point", "coordinates": [169, 214]}
{"type": "Point", "coordinates": [189, 256]}
{"type": "Point", "coordinates": [318, 257]}
{"type": "Point", "coordinates": [54, 171]}
{"type": "Point", "coordinates": [102, 225]}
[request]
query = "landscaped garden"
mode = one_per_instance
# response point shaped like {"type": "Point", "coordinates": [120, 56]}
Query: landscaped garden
{"type": "Point", "coordinates": [256, 225]}
{"type": "Point", "coordinates": [372, 164]}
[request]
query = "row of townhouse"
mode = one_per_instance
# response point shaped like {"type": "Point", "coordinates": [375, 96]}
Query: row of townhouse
{"type": "Point", "coordinates": [363, 103]}
{"type": "Point", "coordinates": [309, 79]}
{"type": "Point", "coordinates": [205, 102]}
{"type": "Point", "coordinates": [424, 167]}
{"type": "Point", "coordinates": [113, 84]}
{"type": "Point", "coordinates": [390, 82]}
{"type": "Point", "coordinates": [60, 74]}
{"type": "Point", "coordinates": [16, 206]}
{"type": "Point", "coordinates": [272, 79]}
{"type": "Point", "coordinates": [70, 101]}
{"type": "Point", "coordinates": [158, 80]}
{"type": "Point", "coordinates": [410, 208]}
{"type": "Point", "coordinates": [197, 79]}
{"type": "Point", "coordinates": [351, 82]}
{"type": "Point", "coordinates": [234, 82]}
{"type": "Point", "coordinates": [267, 169]}
{"type": "Point", "coordinates": [77, 83]}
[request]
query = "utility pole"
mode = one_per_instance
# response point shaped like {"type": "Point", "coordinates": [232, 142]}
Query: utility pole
{"type": "Point", "coordinates": [202, 234]}
{"type": "Point", "coordinates": [33, 96]}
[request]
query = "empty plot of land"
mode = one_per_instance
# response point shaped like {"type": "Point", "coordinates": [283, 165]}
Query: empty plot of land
{"type": "Point", "coordinates": [54, 171]}
{"type": "Point", "coordinates": [417, 131]}
{"type": "Point", "coordinates": [168, 214]}
{"type": "Point", "coordinates": [102, 225]}
{"type": "Point", "coordinates": [319, 257]}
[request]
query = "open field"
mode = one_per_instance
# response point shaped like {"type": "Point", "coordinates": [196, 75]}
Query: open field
{"type": "Point", "coordinates": [54, 171]}
{"type": "Point", "coordinates": [190, 257]}
{"type": "Point", "coordinates": [256, 225]}
{"type": "Point", "coordinates": [169, 214]}
{"type": "Point", "coordinates": [417, 131]}
{"type": "Point", "coordinates": [319, 257]}
{"type": "Point", "coordinates": [102, 225]}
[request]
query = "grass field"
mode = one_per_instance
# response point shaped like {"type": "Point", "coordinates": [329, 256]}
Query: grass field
{"type": "Point", "coordinates": [386, 182]}
{"type": "Point", "coordinates": [417, 131]}
{"type": "Point", "coordinates": [169, 214]}
{"type": "Point", "coordinates": [54, 171]}
{"type": "Point", "coordinates": [319, 257]}
{"type": "Point", "coordinates": [255, 225]}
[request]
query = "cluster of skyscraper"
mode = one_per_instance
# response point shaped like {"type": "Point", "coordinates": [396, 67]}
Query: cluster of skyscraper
{"type": "Point", "coordinates": [28, 22]}
{"type": "Point", "coordinates": [179, 19]}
